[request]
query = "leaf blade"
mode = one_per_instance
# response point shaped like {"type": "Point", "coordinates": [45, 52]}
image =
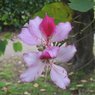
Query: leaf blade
{"type": "Point", "coordinates": [3, 44]}
{"type": "Point", "coordinates": [81, 5]}
{"type": "Point", "coordinates": [17, 46]}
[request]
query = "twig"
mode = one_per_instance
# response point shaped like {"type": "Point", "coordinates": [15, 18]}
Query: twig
{"type": "Point", "coordinates": [86, 64]}
{"type": "Point", "coordinates": [87, 25]}
{"type": "Point", "coordinates": [46, 73]}
{"type": "Point", "coordinates": [83, 37]}
{"type": "Point", "coordinates": [83, 30]}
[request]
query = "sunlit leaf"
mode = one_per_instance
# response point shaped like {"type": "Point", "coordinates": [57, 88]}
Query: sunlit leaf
{"type": "Point", "coordinates": [59, 11]}
{"type": "Point", "coordinates": [81, 5]}
{"type": "Point", "coordinates": [17, 46]}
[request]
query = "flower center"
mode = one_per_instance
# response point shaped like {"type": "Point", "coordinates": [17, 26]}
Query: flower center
{"type": "Point", "coordinates": [45, 55]}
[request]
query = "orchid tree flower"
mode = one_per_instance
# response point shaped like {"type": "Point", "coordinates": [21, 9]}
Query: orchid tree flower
{"type": "Point", "coordinates": [36, 63]}
{"type": "Point", "coordinates": [44, 31]}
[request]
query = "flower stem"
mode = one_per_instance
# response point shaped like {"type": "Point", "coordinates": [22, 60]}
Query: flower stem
{"type": "Point", "coordinates": [46, 73]}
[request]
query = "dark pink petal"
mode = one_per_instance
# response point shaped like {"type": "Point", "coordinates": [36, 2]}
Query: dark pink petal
{"type": "Point", "coordinates": [61, 32]}
{"type": "Point", "coordinates": [32, 73]}
{"type": "Point", "coordinates": [50, 52]}
{"type": "Point", "coordinates": [59, 76]}
{"type": "Point", "coordinates": [65, 53]}
{"type": "Point", "coordinates": [31, 58]}
{"type": "Point", "coordinates": [47, 26]}
{"type": "Point", "coordinates": [45, 55]}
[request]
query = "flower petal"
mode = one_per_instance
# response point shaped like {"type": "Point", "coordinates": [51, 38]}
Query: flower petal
{"type": "Point", "coordinates": [65, 53]}
{"type": "Point", "coordinates": [25, 36]}
{"type": "Point", "coordinates": [47, 26]}
{"type": "Point", "coordinates": [31, 58]}
{"type": "Point", "coordinates": [32, 73]}
{"type": "Point", "coordinates": [50, 52]}
{"type": "Point", "coordinates": [34, 27]}
{"type": "Point", "coordinates": [31, 34]}
{"type": "Point", "coordinates": [59, 76]}
{"type": "Point", "coordinates": [61, 32]}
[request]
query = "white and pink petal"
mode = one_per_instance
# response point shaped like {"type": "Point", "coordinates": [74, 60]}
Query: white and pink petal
{"type": "Point", "coordinates": [31, 58]}
{"type": "Point", "coordinates": [59, 76]}
{"type": "Point", "coordinates": [28, 38]}
{"type": "Point", "coordinates": [61, 32]}
{"type": "Point", "coordinates": [34, 27]}
{"type": "Point", "coordinates": [32, 73]}
{"type": "Point", "coordinates": [31, 33]}
{"type": "Point", "coordinates": [65, 53]}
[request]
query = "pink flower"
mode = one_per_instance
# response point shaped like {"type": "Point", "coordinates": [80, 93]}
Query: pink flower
{"type": "Point", "coordinates": [38, 61]}
{"type": "Point", "coordinates": [44, 31]}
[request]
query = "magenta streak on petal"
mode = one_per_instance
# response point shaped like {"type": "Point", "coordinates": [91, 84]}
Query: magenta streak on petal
{"type": "Point", "coordinates": [49, 53]}
{"type": "Point", "coordinates": [45, 55]}
{"type": "Point", "coordinates": [47, 26]}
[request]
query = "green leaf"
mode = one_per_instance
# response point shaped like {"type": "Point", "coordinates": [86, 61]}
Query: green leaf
{"type": "Point", "coordinates": [8, 35]}
{"type": "Point", "coordinates": [2, 92]}
{"type": "Point", "coordinates": [81, 5]}
{"type": "Point", "coordinates": [59, 11]}
{"type": "Point", "coordinates": [3, 44]}
{"type": "Point", "coordinates": [2, 84]}
{"type": "Point", "coordinates": [17, 46]}
{"type": "Point", "coordinates": [4, 17]}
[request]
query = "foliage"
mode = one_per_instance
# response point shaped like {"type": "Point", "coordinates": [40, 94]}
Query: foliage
{"type": "Point", "coordinates": [3, 44]}
{"type": "Point", "coordinates": [81, 5]}
{"type": "Point", "coordinates": [8, 35]}
{"type": "Point", "coordinates": [59, 11]}
{"type": "Point", "coordinates": [9, 84]}
{"type": "Point", "coordinates": [2, 84]}
{"type": "Point", "coordinates": [17, 46]}
{"type": "Point", "coordinates": [17, 12]}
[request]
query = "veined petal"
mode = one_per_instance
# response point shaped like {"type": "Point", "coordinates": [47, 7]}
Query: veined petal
{"type": "Point", "coordinates": [47, 26]}
{"type": "Point", "coordinates": [65, 53]}
{"type": "Point", "coordinates": [61, 32]}
{"type": "Point", "coordinates": [28, 38]}
{"type": "Point", "coordinates": [32, 73]}
{"type": "Point", "coordinates": [31, 58]}
{"type": "Point", "coordinates": [31, 34]}
{"type": "Point", "coordinates": [34, 27]}
{"type": "Point", "coordinates": [59, 76]}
